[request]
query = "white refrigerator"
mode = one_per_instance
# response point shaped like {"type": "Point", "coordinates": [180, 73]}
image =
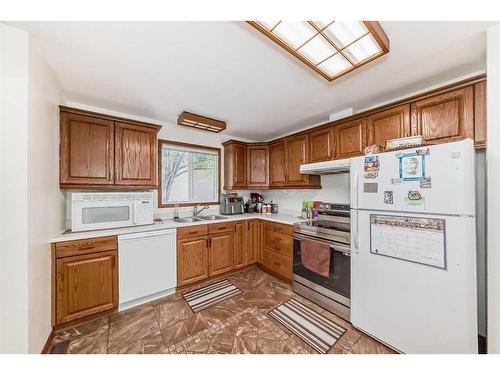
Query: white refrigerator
{"type": "Point", "coordinates": [413, 266]}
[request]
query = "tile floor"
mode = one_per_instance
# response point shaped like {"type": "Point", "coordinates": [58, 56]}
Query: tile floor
{"type": "Point", "coordinates": [237, 325]}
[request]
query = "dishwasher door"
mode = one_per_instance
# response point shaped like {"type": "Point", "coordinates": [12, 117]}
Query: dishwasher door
{"type": "Point", "coordinates": [148, 266]}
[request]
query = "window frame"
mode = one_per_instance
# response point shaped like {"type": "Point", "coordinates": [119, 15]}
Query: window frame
{"type": "Point", "coordinates": [161, 143]}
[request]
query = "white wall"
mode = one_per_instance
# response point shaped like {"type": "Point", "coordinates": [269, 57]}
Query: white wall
{"type": "Point", "coordinates": [493, 186]}
{"type": "Point", "coordinates": [45, 201]}
{"type": "Point", "coordinates": [31, 204]}
{"type": "Point", "coordinates": [13, 190]}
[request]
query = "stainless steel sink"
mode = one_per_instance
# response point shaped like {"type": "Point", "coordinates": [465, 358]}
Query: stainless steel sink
{"type": "Point", "coordinates": [212, 217]}
{"type": "Point", "coordinates": [188, 220]}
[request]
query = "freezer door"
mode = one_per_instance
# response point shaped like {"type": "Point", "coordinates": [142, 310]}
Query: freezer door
{"type": "Point", "coordinates": [440, 182]}
{"type": "Point", "coordinates": [414, 307]}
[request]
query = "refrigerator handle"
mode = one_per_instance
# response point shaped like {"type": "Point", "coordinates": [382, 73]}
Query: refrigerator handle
{"type": "Point", "coordinates": [356, 188]}
{"type": "Point", "coordinates": [355, 230]}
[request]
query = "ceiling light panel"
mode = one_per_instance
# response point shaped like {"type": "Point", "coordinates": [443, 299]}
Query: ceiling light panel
{"type": "Point", "coordinates": [317, 49]}
{"type": "Point", "coordinates": [331, 48]}
{"type": "Point", "coordinates": [294, 33]}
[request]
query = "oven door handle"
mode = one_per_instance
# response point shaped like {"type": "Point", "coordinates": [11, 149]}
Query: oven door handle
{"type": "Point", "coordinates": [334, 246]}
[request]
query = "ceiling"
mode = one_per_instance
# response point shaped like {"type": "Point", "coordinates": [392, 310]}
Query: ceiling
{"type": "Point", "coordinates": [229, 71]}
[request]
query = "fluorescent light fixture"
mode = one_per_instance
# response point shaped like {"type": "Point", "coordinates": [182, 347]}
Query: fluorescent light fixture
{"type": "Point", "coordinates": [331, 48]}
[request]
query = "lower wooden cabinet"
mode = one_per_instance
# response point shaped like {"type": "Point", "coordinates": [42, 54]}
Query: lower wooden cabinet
{"type": "Point", "coordinates": [220, 253]}
{"type": "Point", "coordinates": [85, 278]}
{"type": "Point", "coordinates": [240, 244]}
{"type": "Point", "coordinates": [277, 251]}
{"type": "Point", "coordinates": [192, 260]}
{"type": "Point", "coordinates": [253, 238]}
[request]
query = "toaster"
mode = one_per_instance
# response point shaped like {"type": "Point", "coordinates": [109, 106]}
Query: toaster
{"type": "Point", "coordinates": [231, 205]}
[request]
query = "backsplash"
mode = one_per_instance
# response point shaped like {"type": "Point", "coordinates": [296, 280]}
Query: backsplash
{"type": "Point", "coordinates": [335, 188]}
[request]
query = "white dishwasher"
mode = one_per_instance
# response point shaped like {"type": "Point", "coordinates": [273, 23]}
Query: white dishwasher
{"type": "Point", "coordinates": [148, 266]}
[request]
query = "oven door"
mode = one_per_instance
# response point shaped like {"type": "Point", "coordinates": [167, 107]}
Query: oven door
{"type": "Point", "coordinates": [88, 215]}
{"type": "Point", "coordinates": [339, 274]}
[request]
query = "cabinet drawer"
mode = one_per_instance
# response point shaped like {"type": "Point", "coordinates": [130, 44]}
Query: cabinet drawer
{"type": "Point", "coordinates": [280, 228]}
{"type": "Point", "coordinates": [280, 243]}
{"type": "Point", "coordinates": [193, 231]}
{"type": "Point", "coordinates": [277, 263]}
{"type": "Point", "coordinates": [221, 227]}
{"type": "Point", "coordinates": [90, 245]}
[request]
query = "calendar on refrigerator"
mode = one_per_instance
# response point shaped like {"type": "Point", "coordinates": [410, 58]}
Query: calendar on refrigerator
{"type": "Point", "coordinates": [415, 239]}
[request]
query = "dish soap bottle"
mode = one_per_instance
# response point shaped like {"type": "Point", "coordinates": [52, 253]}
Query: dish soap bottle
{"type": "Point", "coordinates": [176, 210]}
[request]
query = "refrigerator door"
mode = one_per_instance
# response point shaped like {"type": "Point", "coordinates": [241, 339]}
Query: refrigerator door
{"type": "Point", "coordinates": [436, 179]}
{"type": "Point", "coordinates": [415, 307]}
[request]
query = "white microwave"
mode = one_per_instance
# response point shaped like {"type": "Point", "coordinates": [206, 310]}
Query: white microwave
{"type": "Point", "coordinates": [95, 210]}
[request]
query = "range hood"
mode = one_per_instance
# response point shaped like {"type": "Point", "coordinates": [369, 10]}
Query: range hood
{"type": "Point", "coordinates": [326, 167]}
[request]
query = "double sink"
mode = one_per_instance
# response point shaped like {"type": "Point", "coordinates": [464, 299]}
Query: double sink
{"type": "Point", "coordinates": [195, 219]}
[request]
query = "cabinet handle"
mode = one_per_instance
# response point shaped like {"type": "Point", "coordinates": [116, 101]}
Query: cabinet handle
{"type": "Point", "coordinates": [88, 247]}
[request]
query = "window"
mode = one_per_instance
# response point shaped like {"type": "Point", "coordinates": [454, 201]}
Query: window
{"type": "Point", "coordinates": [189, 174]}
{"type": "Point", "coordinates": [331, 48]}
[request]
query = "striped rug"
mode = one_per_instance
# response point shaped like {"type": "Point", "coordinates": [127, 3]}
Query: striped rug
{"type": "Point", "coordinates": [210, 295]}
{"type": "Point", "coordinates": [316, 330]}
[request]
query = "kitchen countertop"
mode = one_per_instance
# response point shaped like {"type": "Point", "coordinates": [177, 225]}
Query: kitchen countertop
{"type": "Point", "coordinates": [284, 218]}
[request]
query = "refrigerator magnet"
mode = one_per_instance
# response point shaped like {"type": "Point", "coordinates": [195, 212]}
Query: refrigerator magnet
{"type": "Point", "coordinates": [414, 195]}
{"type": "Point", "coordinates": [411, 166]}
{"type": "Point", "coordinates": [371, 175]}
{"type": "Point", "coordinates": [388, 197]}
{"type": "Point", "coordinates": [423, 151]}
{"type": "Point", "coordinates": [425, 182]}
{"type": "Point", "coordinates": [395, 181]}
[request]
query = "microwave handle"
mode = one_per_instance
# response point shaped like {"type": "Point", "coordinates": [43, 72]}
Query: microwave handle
{"type": "Point", "coordinates": [136, 214]}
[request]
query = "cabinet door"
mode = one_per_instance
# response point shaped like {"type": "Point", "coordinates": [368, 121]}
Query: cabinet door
{"type": "Point", "coordinates": [277, 164]}
{"type": "Point", "coordinates": [240, 244]}
{"type": "Point", "coordinates": [258, 166]}
{"type": "Point", "coordinates": [220, 253]}
{"type": "Point", "coordinates": [445, 117]}
{"type": "Point", "coordinates": [253, 237]}
{"type": "Point", "coordinates": [86, 284]}
{"type": "Point", "coordinates": [389, 124]}
{"type": "Point", "coordinates": [86, 151]}
{"type": "Point", "coordinates": [296, 150]}
{"type": "Point", "coordinates": [350, 138]}
{"type": "Point", "coordinates": [192, 260]}
{"type": "Point", "coordinates": [136, 155]}
{"type": "Point", "coordinates": [321, 145]}
{"type": "Point", "coordinates": [235, 166]}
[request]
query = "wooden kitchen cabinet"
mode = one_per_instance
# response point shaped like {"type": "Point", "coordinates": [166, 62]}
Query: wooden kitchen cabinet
{"type": "Point", "coordinates": [321, 145]}
{"type": "Point", "coordinates": [297, 153]}
{"type": "Point", "coordinates": [253, 238]}
{"type": "Point", "coordinates": [444, 117]}
{"type": "Point", "coordinates": [108, 152]}
{"type": "Point", "coordinates": [220, 258]}
{"type": "Point", "coordinates": [136, 155]}
{"type": "Point", "coordinates": [480, 115]}
{"type": "Point", "coordinates": [240, 244]}
{"type": "Point", "coordinates": [277, 250]}
{"type": "Point", "coordinates": [277, 164]}
{"type": "Point", "coordinates": [257, 172]}
{"type": "Point", "coordinates": [85, 278]}
{"type": "Point", "coordinates": [192, 260]}
{"type": "Point", "coordinates": [86, 150]}
{"type": "Point", "coordinates": [388, 124]}
{"type": "Point", "coordinates": [350, 138]}
{"type": "Point", "coordinates": [235, 154]}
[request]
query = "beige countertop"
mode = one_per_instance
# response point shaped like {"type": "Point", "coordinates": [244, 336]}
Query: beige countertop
{"type": "Point", "coordinates": [283, 218]}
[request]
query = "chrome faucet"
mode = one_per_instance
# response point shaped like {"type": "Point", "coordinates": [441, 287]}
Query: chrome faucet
{"type": "Point", "coordinates": [196, 212]}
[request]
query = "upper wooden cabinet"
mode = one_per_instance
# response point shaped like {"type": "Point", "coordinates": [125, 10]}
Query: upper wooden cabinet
{"type": "Point", "coordinates": [87, 150]}
{"type": "Point", "coordinates": [105, 151]}
{"type": "Point", "coordinates": [136, 155]}
{"type": "Point", "coordinates": [388, 124]}
{"type": "Point", "coordinates": [444, 117]}
{"type": "Point", "coordinates": [297, 153]}
{"type": "Point", "coordinates": [350, 138]}
{"type": "Point", "coordinates": [257, 166]}
{"type": "Point", "coordinates": [277, 164]}
{"type": "Point", "coordinates": [321, 145]}
{"type": "Point", "coordinates": [235, 154]}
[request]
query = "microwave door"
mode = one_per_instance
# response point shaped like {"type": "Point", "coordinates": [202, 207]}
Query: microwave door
{"type": "Point", "coordinates": [102, 215]}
